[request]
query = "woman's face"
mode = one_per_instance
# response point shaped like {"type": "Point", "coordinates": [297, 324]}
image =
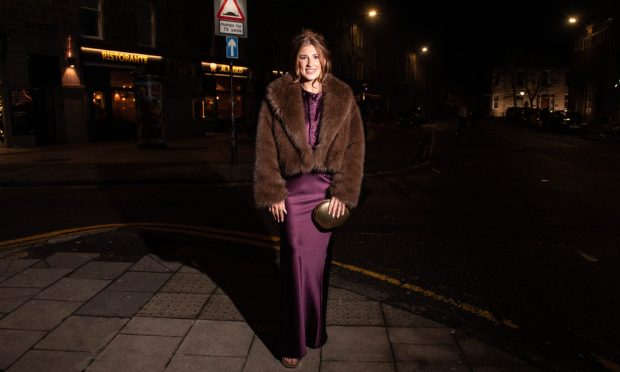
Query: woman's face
{"type": "Point", "coordinates": [309, 63]}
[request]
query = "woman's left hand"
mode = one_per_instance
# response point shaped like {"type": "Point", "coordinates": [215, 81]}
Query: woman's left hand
{"type": "Point", "coordinates": [336, 207]}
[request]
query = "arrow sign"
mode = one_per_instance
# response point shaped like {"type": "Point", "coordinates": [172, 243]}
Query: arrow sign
{"type": "Point", "coordinates": [232, 47]}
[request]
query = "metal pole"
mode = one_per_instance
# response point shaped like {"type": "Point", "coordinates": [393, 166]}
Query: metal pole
{"type": "Point", "coordinates": [233, 134]}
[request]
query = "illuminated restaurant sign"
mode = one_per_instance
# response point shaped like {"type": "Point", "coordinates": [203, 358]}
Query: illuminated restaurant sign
{"type": "Point", "coordinates": [218, 69]}
{"type": "Point", "coordinates": [102, 55]}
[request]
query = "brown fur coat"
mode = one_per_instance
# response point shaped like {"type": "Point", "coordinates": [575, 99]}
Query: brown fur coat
{"type": "Point", "coordinates": [282, 149]}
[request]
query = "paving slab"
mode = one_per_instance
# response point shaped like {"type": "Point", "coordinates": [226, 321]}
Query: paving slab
{"type": "Point", "coordinates": [135, 353]}
{"type": "Point", "coordinates": [15, 343]}
{"type": "Point", "coordinates": [338, 366]}
{"type": "Point", "coordinates": [139, 282]}
{"type": "Point", "coordinates": [101, 270]}
{"type": "Point", "coordinates": [242, 308]}
{"type": "Point", "coordinates": [40, 315]}
{"type": "Point", "coordinates": [395, 317]}
{"type": "Point", "coordinates": [82, 333]}
{"type": "Point", "coordinates": [118, 304]}
{"type": "Point", "coordinates": [357, 344]}
{"type": "Point", "coordinates": [198, 363]}
{"type": "Point", "coordinates": [476, 368]}
{"type": "Point", "coordinates": [174, 305]}
{"type": "Point", "coordinates": [158, 326]}
{"type": "Point", "coordinates": [363, 313]}
{"type": "Point", "coordinates": [190, 283]}
{"type": "Point", "coordinates": [35, 278]}
{"type": "Point", "coordinates": [73, 289]}
{"type": "Point", "coordinates": [217, 339]}
{"type": "Point", "coordinates": [426, 367]}
{"type": "Point", "coordinates": [483, 354]}
{"type": "Point", "coordinates": [414, 335]}
{"type": "Point", "coordinates": [12, 298]}
{"type": "Point", "coordinates": [8, 267]}
{"type": "Point", "coordinates": [261, 359]}
{"type": "Point", "coordinates": [51, 361]}
{"type": "Point", "coordinates": [152, 263]}
{"type": "Point", "coordinates": [67, 260]}
{"type": "Point", "coordinates": [221, 307]}
{"type": "Point", "coordinates": [428, 354]}
{"type": "Point", "coordinates": [340, 294]}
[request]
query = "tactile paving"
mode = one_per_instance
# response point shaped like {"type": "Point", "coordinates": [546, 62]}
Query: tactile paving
{"type": "Point", "coordinates": [366, 313]}
{"type": "Point", "coordinates": [189, 283]}
{"type": "Point", "coordinates": [174, 305]}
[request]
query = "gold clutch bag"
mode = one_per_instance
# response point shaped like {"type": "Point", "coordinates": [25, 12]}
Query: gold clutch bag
{"type": "Point", "coordinates": [323, 220]}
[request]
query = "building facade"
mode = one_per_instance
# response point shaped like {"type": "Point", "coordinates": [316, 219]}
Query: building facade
{"type": "Point", "coordinates": [537, 87]}
{"type": "Point", "coordinates": [595, 73]}
{"type": "Point", "coordinates": [76, 71]}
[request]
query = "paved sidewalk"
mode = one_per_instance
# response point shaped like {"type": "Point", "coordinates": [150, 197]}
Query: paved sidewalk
{"type": "Point", "coordinates": [98, 303]}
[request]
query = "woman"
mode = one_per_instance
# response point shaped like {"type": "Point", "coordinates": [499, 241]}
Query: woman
{"type": "Point", "coordinates": [309, 147]}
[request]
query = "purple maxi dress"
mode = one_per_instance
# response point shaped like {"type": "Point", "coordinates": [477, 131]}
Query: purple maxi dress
{"type": "Point", "coordinates": [304, 257]}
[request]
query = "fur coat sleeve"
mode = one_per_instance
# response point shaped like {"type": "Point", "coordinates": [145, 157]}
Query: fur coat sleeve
{"type": "Point", "coordinates": [282, 149]}
{"type": "Point", "coordinates": [269, 185]}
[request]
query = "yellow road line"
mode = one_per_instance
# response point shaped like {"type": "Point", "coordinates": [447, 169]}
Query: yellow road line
{"type": "Point", "coordinates": [259, 240]}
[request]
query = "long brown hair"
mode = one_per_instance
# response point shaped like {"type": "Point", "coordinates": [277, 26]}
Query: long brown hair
{"type": "Point", "coordinates": [309, 37]}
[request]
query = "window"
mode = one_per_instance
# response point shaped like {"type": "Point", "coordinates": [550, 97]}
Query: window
{"type": "Point", "coordinates": [145, 21]}
{"type": "Point", "coordinates": [545, 77]}
{"type": "Point", "coordinates": [566, 102]}
{"type": "Point", "coordinates": [495, 78]}
{"type": "Point", "coordinates": [520, 78]}
{"type": "Point", "coordinates": [90, 19]}
{"type": "Point", "coordinates": [496, 101]}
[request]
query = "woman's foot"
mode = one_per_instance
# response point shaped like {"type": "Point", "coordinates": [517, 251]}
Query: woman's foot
{"type": "Point", "coordinates": [290, 362]}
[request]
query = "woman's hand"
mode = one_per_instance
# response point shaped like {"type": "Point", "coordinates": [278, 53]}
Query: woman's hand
{"type": "Point", "coordinates": [278, 210]}
{"type": "Point", "coordinates": [336, 207]}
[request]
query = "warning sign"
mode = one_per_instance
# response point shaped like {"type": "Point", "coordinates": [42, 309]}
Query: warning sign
{"type": "Point", "coordinates": [230, 17]}
{"type": "Point", "coordinates": [230, 11]}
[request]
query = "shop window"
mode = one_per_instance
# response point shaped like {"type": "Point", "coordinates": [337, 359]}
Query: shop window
{"type": "Point", "coordinates": [145, 21]}
{"type": "Point", "coordinates": [99, 106]}
{"type": "Point", "coordinates": [124, 106]}
{"type": "Point", "coordinates": [90, 19]}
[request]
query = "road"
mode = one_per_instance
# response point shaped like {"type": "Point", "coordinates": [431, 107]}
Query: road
{"type": "Point", "coordinates": [508, 233]}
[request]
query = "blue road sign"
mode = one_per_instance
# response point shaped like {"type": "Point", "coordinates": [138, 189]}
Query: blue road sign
{"type": "Point", "coordinates": [232, 47]}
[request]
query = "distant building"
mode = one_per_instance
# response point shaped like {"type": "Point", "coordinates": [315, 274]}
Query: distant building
{"type": "Point", "coordinates": [540, 87]}
{"type": "Point", "coordinates": [595, 72]}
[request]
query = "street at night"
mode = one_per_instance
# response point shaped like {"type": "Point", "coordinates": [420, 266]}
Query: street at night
{"type": "Point", "coordinates": [506, 232]}
{"type": "Point", "coordinates": [162, 164]}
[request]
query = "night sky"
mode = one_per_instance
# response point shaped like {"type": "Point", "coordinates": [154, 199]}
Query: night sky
{"type": "Point", "coordinates": [466, 38]}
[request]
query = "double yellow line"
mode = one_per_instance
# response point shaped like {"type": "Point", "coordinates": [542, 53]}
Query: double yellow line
{"type": "Point", "coordinates": [259, 240]}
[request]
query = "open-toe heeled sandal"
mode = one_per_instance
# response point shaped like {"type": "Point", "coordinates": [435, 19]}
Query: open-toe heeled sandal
{"type": "Point", "coordinates": [290, 362]}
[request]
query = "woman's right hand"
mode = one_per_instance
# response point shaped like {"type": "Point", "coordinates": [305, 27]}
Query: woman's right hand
{"type": "Point", "coordinates": [278, 210]}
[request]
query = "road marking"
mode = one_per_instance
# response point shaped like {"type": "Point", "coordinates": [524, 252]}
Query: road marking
{"type": "Point", "coordinates": [259, 240]}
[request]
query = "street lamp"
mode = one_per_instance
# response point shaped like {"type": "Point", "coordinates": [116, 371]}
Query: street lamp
{"type": "Point", "coordinates": [424, 49]}
{"type": "Point", "coordinates": [372, 13]}
{"type": "Point", "coordinates": [572, 20]}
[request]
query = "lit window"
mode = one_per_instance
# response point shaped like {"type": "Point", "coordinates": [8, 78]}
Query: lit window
{"type": "Point", "coordinates": [90, 18]}
{"type": "Point", "coordinates": [496, 101]}
{"type": "Point", "coordinates": [145, 20]}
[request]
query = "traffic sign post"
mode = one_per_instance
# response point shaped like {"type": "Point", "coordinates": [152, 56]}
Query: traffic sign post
{"type": "Point", "coordinates": [231, 18]}
{"type": "Point", "coordinates": [232, 53]}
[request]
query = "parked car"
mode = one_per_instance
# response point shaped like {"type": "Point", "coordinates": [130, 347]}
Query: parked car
{"type": "Point", "coordinates": [514, 114]}
{"type": "Point", "coordinates": [408, 118]}
{"type": "Point", "coordinates": [565, 121]}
